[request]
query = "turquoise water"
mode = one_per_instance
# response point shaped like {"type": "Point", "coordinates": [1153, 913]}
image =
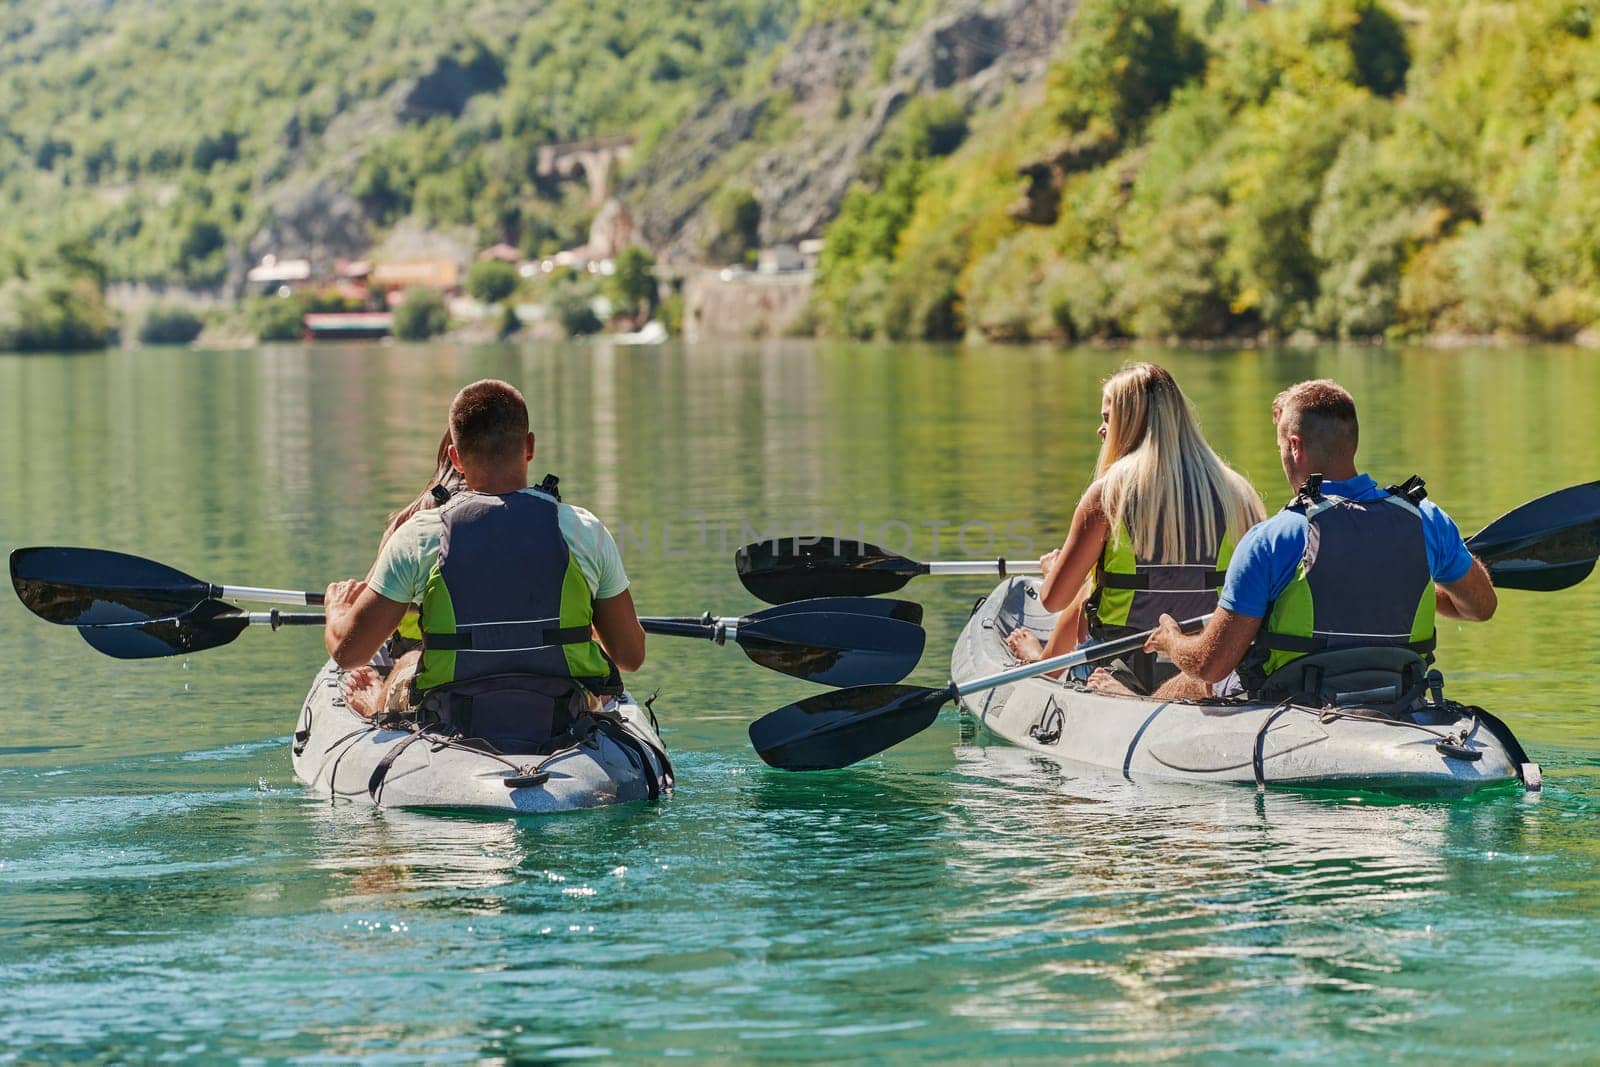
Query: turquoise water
{"type": "Point", "coordinates": [167, 890]}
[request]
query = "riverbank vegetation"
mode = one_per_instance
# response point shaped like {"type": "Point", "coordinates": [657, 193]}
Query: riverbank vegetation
{"type": "Point", "coordinates": [52, 302]}
{"type": "Point", "coordinates": [183, 141]}
{"type": "Point", "coordinates": [1341, 168]}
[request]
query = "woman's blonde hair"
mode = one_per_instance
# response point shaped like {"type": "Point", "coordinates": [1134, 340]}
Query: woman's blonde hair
{"type": "Point", "coordinates": [444, 474]}
{"type": "Point", "coordinates": [1157, 470]}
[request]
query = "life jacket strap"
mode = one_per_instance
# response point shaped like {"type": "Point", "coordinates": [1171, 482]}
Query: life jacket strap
{"type": "Point", "coordinates": [1115, 580]}
{"type": "Point", "coordinates": [464, 641]}
{"type": "Point", "coordinates": [1307, 645]}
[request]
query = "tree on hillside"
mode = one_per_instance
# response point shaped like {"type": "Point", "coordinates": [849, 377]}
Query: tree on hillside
{"type": "Point", "coordinates": [733, 226]}
{"type": "Point", "coordinates": [634, 284]}
{"type": "Point", "coordinates": [1123, 60]}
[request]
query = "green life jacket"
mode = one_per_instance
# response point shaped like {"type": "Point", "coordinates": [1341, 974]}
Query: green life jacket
{"type": "Point", "coordinates": [1131, 594]}
{"type": "Point", "coordinates": [1364, 581]}
{"type": "Point", "coordinates": [506, 598]}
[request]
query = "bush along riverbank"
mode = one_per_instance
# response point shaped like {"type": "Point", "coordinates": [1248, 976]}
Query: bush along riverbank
{"type": "Point", "coordinates": [53, 302]}
{"type": "Point", "coordinates": [1337, 168]}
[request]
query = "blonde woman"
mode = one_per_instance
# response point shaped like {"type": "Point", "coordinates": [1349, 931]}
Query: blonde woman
{"type": "Point", "coordinates": [1152, 534]}
{"type": "Point", "coordinates": [368, 690]}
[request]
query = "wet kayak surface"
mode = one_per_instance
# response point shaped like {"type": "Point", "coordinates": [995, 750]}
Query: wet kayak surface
{"type": "Point", "coordinates": [168, 889]}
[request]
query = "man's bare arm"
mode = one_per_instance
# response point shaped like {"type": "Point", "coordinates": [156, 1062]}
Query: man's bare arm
{"type": "Point", "coordinates": [358, 622]}
{"type": "Point", "coordinates": [621, 636]}
{"type": "Point", "coordinates": [1213, 652]}
{"type": "Point", "coordinates": [1470, 598]}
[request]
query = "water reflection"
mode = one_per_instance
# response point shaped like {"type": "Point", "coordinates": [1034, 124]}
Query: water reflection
{"type": "Point", "coordinates": [944, 900]}
{"type": "Point", "coordinates": [1146, 906]}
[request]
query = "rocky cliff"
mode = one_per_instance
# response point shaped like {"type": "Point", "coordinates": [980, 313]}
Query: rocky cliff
{"type": "Point", "coordinates": [825, 86]}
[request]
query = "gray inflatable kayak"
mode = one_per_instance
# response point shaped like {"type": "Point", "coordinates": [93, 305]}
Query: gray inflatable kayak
{"type": "Point", "coordinates": [617, 757]}
{"type": "Point", "coordinates": [1448, 751]}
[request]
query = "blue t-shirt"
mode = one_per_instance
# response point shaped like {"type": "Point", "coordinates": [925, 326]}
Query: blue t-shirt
{"type": "Point", "coordinates": [1264, 563]}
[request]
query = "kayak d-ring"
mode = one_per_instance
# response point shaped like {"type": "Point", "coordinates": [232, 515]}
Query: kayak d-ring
{"type": "Point", "coordinates": [1458, 750]}
{"type": "Point", "coordinates": [1047, 731]}
{"type": "Point", "coordinates": [526, 779]}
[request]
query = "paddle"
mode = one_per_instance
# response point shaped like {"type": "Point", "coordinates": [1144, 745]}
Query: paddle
{"type": "Point", "coordinates": [833, 641]}
{"type": "Point", "coordinates": [210, 625]}
{"type": "Point", "coordinates": [1546, 544]}
{"type": "Point", "coordinates": [832, 730]}
{"type": "Point", "coordinates": [95, 586]}
{"type": "Point", "coordinates": [792, 568]}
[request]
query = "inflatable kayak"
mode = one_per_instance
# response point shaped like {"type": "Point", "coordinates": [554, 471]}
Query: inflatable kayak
{"type": "Point", "coordinates": [1448, 750]}
{"type": "Point", "coordinates": [614, 756]}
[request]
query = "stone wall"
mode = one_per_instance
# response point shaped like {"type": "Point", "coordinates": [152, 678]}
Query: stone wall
{"type": "Point", "coordinates": [742, 305]}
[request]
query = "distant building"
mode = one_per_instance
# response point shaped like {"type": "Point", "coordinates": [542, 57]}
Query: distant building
{"type": "Point", "coordinates": [779, 259]}
{"type": "Point", "coordinates": [348, 325]}
{"type": "Point", "coordinates": [350, 279]}
{"type": "Point", "coordinates": [503, 252]}
{"type": "Point", "coordinates": [441, 274]}
{"type": "Point", "coordinates": [274, 276]}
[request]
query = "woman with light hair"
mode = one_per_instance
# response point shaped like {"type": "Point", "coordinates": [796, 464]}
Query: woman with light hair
{"type": "Point", "coordinates": [1151, 536]}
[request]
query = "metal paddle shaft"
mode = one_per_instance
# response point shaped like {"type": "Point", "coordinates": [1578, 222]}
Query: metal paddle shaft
{"type": "Point", "coordinates": [210, 625]}
{"type": "Point", "coordinates": [833, 730]}
{"type": "Point", "coordinates": [785, 569]}
{"type": "Point", "coordinates": [96, 587]}
{"type": "Point", "coordinates": [836, 641]}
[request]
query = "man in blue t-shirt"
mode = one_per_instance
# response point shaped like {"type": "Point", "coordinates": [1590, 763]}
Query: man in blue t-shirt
{"type": "Point", "coordinates": [1318, 434]}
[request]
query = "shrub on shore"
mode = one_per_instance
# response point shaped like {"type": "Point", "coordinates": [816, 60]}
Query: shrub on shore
{"type": "Point", "coordinates": [170, 326]}
{"type": "Point", "coordinates": [421, 315]}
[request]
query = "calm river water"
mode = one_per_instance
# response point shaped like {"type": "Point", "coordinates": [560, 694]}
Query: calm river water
{"type": "Point", "coordinates": [168, 891]}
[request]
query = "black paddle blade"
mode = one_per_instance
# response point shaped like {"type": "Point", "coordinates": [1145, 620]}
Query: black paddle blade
{"type": "Point", "coordinates": [832, 730]}
{"type": "Point", "coordinates": [94, 587]}
{"type": "Point", "coordinates": [1542, 575]}
{"type": "Point", "coordinates": [1546, 544]}
{"type": "Point", "coordinates": [867, 606]}
{"type": "Point", "coordinates": [834, 649]}
{"type": "Point", "coordinates": [785, 569]}
{"type": "Point", "coordinates": [211, 625]}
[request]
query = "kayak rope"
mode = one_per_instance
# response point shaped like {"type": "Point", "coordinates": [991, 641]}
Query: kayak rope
{"type": "Point", "coordinates": [524, 774]}
{"type": "Point", "coordinates": [612, 725]}
{"type": "Point", "coordinates": [1456, 741]}
{"type": "Point", "coordinates": [1327, 715]}
{"type": "Point", "coordinates": [333, 774]}
{"type": "Point", "coordinates": [1258, 758]}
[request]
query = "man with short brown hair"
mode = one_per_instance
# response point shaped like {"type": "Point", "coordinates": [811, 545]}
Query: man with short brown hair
{"type": "Point", "coordinates": [1346, 565]}
{"type": "Point", "coordinates": [513, 583]}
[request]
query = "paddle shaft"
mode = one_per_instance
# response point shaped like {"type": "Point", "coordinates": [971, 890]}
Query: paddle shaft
{"type": "Point", "coordinates": [707, 627]}
{"type": "Point", "coordinates": [1000, 566]}
{"type": "Point", "coordinates": [1094, 653]}
{"type": "Point", "coordinates": [265, 596]}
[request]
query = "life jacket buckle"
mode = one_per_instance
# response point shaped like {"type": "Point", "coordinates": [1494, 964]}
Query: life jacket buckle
{"type": "Point", "coordinates": [1413, 489]}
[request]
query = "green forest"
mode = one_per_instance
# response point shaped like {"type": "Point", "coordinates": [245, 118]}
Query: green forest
{"type": "Point", "coordinates": [1339, 168]}
{"type": "Point", "coordinates": [1186, 168]}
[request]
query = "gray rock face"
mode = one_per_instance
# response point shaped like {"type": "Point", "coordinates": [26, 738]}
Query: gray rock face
{"type": "Point", "coordinates": [318, 220]}
{"type": "Point", "coordinates": [977, 51]}
{"type": "Point", "coordinates": [445, 89]}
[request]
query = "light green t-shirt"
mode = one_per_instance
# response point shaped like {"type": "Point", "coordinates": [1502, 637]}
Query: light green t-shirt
{"type": "Point", "coordinates": [403, 566]}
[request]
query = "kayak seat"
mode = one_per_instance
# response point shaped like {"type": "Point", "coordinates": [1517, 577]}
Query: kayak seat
{"type": "Point", "coordinates": [1390, 680]}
